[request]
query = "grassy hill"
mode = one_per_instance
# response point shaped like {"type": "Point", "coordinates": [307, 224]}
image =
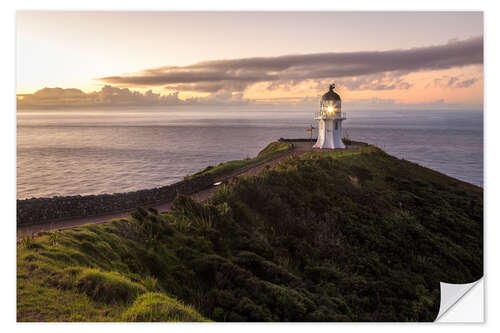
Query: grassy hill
{"type": "Point", "coordinates": [336, 236]}
{"type": "Point", "coordinates": [272, 150]}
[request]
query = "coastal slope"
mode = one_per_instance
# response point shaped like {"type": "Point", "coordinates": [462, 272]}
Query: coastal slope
{"type": "Point", "coordinates": [354, 235]}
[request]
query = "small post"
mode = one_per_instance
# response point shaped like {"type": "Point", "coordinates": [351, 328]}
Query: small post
{"type": "Point", "coordinates": [310, 130]}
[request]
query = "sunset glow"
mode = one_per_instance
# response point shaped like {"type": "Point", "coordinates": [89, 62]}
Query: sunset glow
{"type": "Point", "coordinates": [249, 58]}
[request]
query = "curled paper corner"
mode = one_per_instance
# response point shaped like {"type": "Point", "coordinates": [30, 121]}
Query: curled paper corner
{"type": "Point", "coordinates": [455, 303]}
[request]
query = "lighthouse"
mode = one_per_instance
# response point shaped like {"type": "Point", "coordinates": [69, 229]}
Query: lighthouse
{"type": "Point", "coordinates": [330, 117]}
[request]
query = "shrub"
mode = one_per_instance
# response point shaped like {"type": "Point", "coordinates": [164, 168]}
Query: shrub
{"type": "Point", "coordinates": [168, 230]}
{"type": "Point", "coordinates": [160, 308]}
{"type": "Point", "coordinates": [108, 287]}
{"type": "Point", "coordinates": [219, 314]}
{"type": "Point", "coordinates": [139, 214]}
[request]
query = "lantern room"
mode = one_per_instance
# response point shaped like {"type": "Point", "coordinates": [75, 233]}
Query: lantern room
{"type": "Point", "coordinates": [330, 102]}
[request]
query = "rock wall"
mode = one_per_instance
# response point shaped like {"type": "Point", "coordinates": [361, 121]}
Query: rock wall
{"type": "Point", "coordinates": [41, 210]}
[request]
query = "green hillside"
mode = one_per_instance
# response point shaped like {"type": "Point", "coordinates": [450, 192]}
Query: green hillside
{"type": "Point", "coordinates": [272, 150]}
{"type": "Point", "coordinates": [338, 236]}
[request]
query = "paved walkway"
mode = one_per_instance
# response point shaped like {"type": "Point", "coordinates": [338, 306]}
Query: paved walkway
{"type": "Point", "coordinates": [300, 148]}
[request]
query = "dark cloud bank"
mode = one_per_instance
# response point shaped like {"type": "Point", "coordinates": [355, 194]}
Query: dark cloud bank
{"type": "Point", "coordinates": [225, 80]}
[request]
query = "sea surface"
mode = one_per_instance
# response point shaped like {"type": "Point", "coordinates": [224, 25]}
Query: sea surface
{"type": "Point", "coordinates": [68, 152]}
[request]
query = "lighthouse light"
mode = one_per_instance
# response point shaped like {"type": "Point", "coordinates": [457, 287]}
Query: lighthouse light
{"type": "Point", "coordinates": [330, 108]}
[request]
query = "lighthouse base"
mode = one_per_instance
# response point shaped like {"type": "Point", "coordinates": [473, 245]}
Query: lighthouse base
{"type": "Point", "coordinates": [327, 148]}
{"type": "Point", "coordinates": [317, 148]}
{"type": "Point", "coordinates": [329, 134]}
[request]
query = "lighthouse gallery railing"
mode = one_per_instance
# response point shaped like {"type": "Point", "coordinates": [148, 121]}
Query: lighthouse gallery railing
{"type": "Point", "coordinates": [330, 115]}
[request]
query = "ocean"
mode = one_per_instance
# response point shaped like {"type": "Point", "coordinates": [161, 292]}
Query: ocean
{"type": "Point", "coordinates": [71, 152]}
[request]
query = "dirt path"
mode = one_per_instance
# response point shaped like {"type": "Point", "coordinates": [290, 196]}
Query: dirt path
{"type": "Point", "coordinates": [300, 148]}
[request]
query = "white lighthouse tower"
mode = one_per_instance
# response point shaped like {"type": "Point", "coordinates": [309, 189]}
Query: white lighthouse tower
{"type": "Point", "coordinates": [330, 117]}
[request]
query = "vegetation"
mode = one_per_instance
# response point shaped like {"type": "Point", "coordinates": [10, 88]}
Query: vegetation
{"type": "Point", "coordinates": [159, 307]}
{"type": "Point", "coordinates": [273, 149]}
{"type": "Point", "coordinates": [327, 236]}
{"type": "Point", "coordinates": [346, 141]}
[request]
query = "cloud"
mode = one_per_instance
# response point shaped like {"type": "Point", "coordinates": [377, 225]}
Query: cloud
{"type": "Point", "coordinates": [380, 81]}
{"type": "Point", "coordinates": [466, 83]}
{"type": "Point", "coordinates": [392, 104]}
{"type": "Point", "coordinates": [454, 82]}
{"type": "Point", "coordinates": [108, 95]}
{"type": "Point", "coordinates": [236, 75]}
{"type": "Point", "coordinates": [113, 96]}
{"type": "Point", "coordinates": [292, 79]}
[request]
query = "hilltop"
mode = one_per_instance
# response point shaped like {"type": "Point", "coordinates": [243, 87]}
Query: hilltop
{"type": "Point", "coordinates": [354, 235]}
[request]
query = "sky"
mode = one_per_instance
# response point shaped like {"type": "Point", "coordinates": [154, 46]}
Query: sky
{"type": "Point", "coordinates": [376, 59]}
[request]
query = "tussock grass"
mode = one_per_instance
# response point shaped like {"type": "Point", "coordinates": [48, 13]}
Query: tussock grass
{"type": "Point", "coordinates": [27, 240]}
{"type": "Point", "coordinates": [150, 283]}
{"type": "Point", "coordinates": [159, 307]}
{"type": "Point", "coordinates": [108, 287]}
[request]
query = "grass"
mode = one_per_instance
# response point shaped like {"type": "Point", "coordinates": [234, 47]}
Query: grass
{"type": "Point", "coordinates": [38, 301]}
{"type": "Point", "coordinates": [91, 273]}
{"type": "Point", "coordinates": [272, 150]}
{"type": "Point", "coordinates": [108, 287]}
{"type": "Point", "coordinates": [159, 307]}
{"type": "Point", "coordinates": [27, 240]}
{"type": "Point", "coordinates": [353, 235]}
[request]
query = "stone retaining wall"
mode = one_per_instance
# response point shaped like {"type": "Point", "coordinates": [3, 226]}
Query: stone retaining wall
{"type": "Point", "coordinates": [41, 210]}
